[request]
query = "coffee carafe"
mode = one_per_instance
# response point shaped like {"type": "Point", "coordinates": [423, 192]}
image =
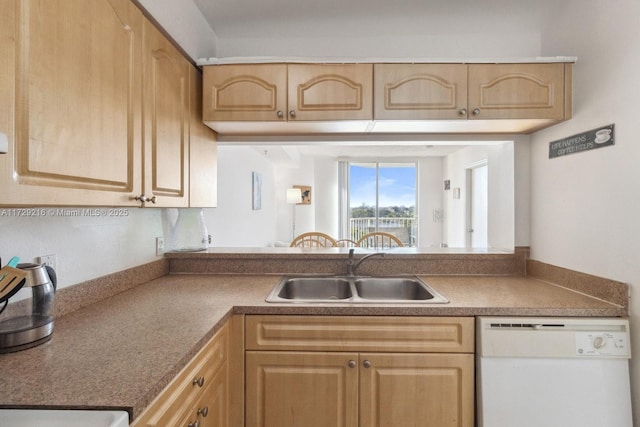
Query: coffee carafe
{"type": "Point", "coordinates": [28, 322]}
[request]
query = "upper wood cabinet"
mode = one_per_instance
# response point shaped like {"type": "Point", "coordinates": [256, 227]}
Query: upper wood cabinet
{"type": "Point", "coordinates": [281, 92]}
{"type": "Point", "coordinates": [407, 98]}
{"type": "Point", "coordinates": [81, 84]}
{"type": "Point", "coordinates": [420, 91]}
{"type": "Point", "coordinates": [520, 91]}
{"type": "Point", "coordinates": [166, 120]}
{"type": "Point", "coordinates": [73, 121]}
{"type": "Point", "coordinates": [330, 91]}
{"type": "Point", "coordinates": [473, 91]}
{"type": "Point", "coordinates": [245, 92]}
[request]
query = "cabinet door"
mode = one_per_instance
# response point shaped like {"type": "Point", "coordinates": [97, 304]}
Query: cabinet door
{"type": "Point", "coordinates": [245, 92]}
{"type": "Point", "coordinates": [288, 389]}
{"type": "Point", "coordinates": [420, 91]}
{"type": "Point", "coordinates": [166, 120]}
{"type": "Point", "coordinates": [203, 151]}
{"type": "Point", "coordinates": [70, 102]}
{"type": "Point", "coordinates": [427, 390]}
{"type": "Point", "coordinates": [330, 91]}
{"type": "Point", "coordinates": [517, 91]}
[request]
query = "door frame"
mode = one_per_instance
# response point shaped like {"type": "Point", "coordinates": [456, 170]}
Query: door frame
{"type": "Point", "coordinates": [469, 197]}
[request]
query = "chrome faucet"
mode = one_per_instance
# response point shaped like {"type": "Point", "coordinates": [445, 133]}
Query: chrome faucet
{"type": "Point", "coordinates": [351, 266]}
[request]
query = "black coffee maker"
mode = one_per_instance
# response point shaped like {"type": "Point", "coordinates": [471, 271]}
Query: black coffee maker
{"type": "Point", "coordinates": [28, 322]}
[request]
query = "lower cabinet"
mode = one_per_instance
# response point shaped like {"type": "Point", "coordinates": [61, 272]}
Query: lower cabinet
{"type": "Point", "coordinates": [199, 395]}
{"type": "Point", "coordinates": [386, 372]}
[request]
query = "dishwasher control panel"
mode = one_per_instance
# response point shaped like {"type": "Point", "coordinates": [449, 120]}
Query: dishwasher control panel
{"type": "Point", "coordinates": [602, 344]}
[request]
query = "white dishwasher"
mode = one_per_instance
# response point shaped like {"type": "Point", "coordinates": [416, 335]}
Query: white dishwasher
{"type": "Point", "coordinates": [553, 372]}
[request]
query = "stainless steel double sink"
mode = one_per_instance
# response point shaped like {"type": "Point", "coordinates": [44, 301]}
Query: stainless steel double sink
{"type": "Point", "coordinates": [354, 289]}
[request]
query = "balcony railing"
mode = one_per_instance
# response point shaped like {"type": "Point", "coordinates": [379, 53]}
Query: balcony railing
{"type": "Point", "coordinates": [403, 228]}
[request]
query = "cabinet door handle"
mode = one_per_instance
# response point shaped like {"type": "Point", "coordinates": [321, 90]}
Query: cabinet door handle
{"type": "Point", "coordinates": [204, 411]}
{"type": "Point", "coordinates": [475, 111]}
{"type": "Point", "coordinates": [462, 112]}
{"type": "Point", "coordinates": [280, 114]}
{"type": "Point", "coordinates": [292, 113]}
{"type": "Point", "coordinates": [352, 363]}
{"type": "Point", "coordinates": [199, 381]}
{"type": "Point", "coordinates": [194, 424]}
{"type": "Point", "coordinates": [366, 364]}
{"type": "Point", "coordinates": [143, 199]}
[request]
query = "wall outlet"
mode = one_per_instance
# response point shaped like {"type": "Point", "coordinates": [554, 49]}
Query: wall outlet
{"type": "Point", "coordinates": [159, 246]}
{"type": "Point", "coordinates": [49, 260]}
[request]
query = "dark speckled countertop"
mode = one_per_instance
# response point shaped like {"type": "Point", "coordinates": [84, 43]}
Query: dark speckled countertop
{"type": "Point", "coordinates": [119, 353]}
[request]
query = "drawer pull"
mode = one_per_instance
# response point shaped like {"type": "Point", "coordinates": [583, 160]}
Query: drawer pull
{"type": "Point", "coordinates": [199, 381]}
{"type": "Point", "coordinates": [204, 411]}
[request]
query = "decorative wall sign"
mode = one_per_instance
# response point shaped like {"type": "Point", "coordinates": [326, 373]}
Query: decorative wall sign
{"type": "Point", "coordinates": [595, 138]}
{"type": "Point", "coordinates": [306, 194]}
{"type": "Point", "coordinates": [256, 191]}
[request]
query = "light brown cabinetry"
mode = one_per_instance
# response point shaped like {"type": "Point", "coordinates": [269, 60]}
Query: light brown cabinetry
{"type": "Point", "coordinates": [81, 84]}
{"type": "Point", "coordinates": [474, 91]}
{"type": "Point", "coordinates": [330, 91]}
{"type": "Point", "coordinates": [245, 92]}
{"type": "Point", "coordinates": [70, 99]}
{"type": "Point", "coordinates": [287, 93]}
{"type": "Point", "coordinates": [350, 371]}
{"type": "Point", "coordinates": [199, 393]}
{"type": "Point", "coordinates": [401, 97]}
{"type": "Point", "coordinates": [166, 120]}
{"type": "Point", "coordinates": [420, 91]}
{"type": "Point", "coordinates": [520, 91]}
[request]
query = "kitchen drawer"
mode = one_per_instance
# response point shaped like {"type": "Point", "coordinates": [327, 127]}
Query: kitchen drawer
{"type": "Point", "coordinates": [210, 409]}
{"type": "Point", "coordinates": [169, 408]}
{"type": "Point", "coordinates": [360, 333]}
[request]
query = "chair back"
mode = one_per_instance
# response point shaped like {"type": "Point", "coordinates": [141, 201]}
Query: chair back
{"type": "Point", "coordinates": [379, 239]}
{"type": "Point", "coordinates": [346, 243]}
{"type": "Point", "coordinates": [313, 239]}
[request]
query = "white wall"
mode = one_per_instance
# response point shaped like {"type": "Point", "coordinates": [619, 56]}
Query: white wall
{"type": "Point", "coordinates": [430, 197]}
{"type": "Point", "coordinates": [396, 45]}
{"type": "Point", "coordinates": [85, 246]}
{"type": "Point", "coordinates": [234, 222]}
{"type": "Point", "coordinates": [500, 161]}
{"type": "Point", "coordinates": [305, 215]}
{"type": "Point", "coordinates": [585, 207]}
{"type": "Point", "coordinates": [326, 196]}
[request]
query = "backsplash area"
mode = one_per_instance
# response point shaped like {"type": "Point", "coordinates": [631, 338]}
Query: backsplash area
{"type": "Point", "coordinates": [85, 246]}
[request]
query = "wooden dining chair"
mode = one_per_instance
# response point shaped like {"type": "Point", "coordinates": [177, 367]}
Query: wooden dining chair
{"type": "Point", "coordinates": [379, 239]}
{"type": "Point", "coordinates": [313, 239]}
{"type": "Point", "coordinates": [346, 243]}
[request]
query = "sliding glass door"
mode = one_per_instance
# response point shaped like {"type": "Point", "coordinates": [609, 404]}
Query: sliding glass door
{"type": "Point", "coordinates": [382, 197]}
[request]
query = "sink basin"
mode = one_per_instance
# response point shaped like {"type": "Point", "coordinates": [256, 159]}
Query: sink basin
{"type": "Point", "coordinates": [354, 289]}
{"type": "Point", "coordinates": [392, 288]}
{"type": "Point", "coordinates": [315, 288]}
{"type": "Point", "coordinates": [62, 418]}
